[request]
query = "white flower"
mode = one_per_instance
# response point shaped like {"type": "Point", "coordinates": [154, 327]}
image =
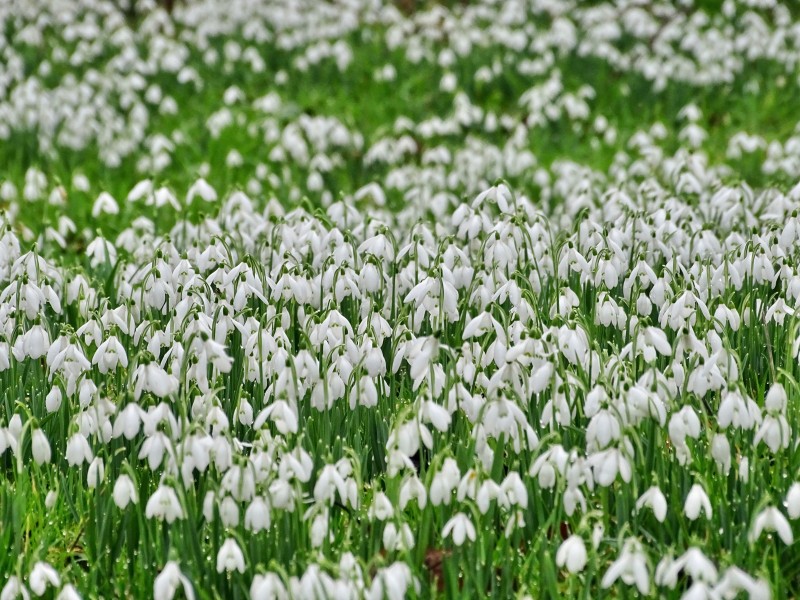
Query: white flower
{"type": "Point", "coordinates": [775, 432]}
{"type": "Point", "coordinates": [381, 507]}
{"type": "Point", "coordinates": [164, 196]}
{"type": "Point", "coordinates": [124, 492]}
{"type": "Point", "coordinates": [101, 251]}
{"type": "Point", "coordinates": [398, 539]}
{"type": "Point", "coordinates": [154, 379]}
{"type": "Point", "coordinates": [143, 189]}
{"type": "Point", "coordinates": [229, 512]}
{"type": "Point", "coordinates": [413, 489]}
{"type": "Point", "coordinates": [461, 529]}
{"type": "Point", "coordinates": [268, 587]}
{"type": "Point", "coordinates": [320, 528]}
{"type": "Point", "coordinates": [392, 583]}
{"type": "Point", "coordinates": [721, 452]}
{"type": "Point", "coordinates": [96, 472]}
{"type": "Point", "coordinates": [734, 580]}
{"type": "Point", "coordinates": [744, 469]}
{"type": "Point", "coordinates": [53, 399]}
{"type": "Point", "coordinates": [572, 554]}
{"type": "Point", "coordinates": [68, 592]}
{"type": "Point", "coordinates": [793, 501]}
{"type": "Point", "coordinates": [444, 482]}
{"type": "Point", "coordinates": [693, 563]}
{"type": "Point", "coordinates": [34, 344]}
{"type": "Point", "coordinates": [230, 557]}
{"type": "Point", "coordinates": [14, 589]}
{"type": "Point", "coordinates": [164, 504]}
{"type": "Point", "coordinates": [105, 204]}
{"type": "Point", "coordinates": [201, 189]}
{"type": "Point", "coordinates": [78, 450]}
{"type": "Point", "coordinates": [775, 401]}
{"type": "Point", "coordinates": [697, 500]}
{"type": "Point", "coordinates": [109, 354]}
{"type": "Point", "coordinates": [41, 576]}
{"type": "Point", "coordinates": [631, 567]}
{"type": "Point", "coordinates": [606, 464]}
{"type": "Point", "coordinates": [771, 519]}
{"type": "Point", "coordinates": [40, 447]}
{"type": "Point", "coordinates": [514, 489]}
{"type": "Point", "coordinates": [655, 499]}
{"type": "Point", "coordinates": [167, 582]}
{"type": "Point", "coordinates": [257, 516]}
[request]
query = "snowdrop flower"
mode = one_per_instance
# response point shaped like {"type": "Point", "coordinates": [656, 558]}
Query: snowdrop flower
{"type": "Point", "coordinates": [43, 575]}
{"type": "Point", "coordinates": [320, 526]}
{"type": "Point", "coordinates": [683, 424]}
{"type": "Point", "coordinates": [655, 499]}
{"type": "Point", "coordinates": [164, 505]}
{"type": "Point", "coordinates": [230, 557]}
{"type": "Point", "coordinates": [257, 516]}
{"type": "Point", "coordinates": [68, 592]}
{"type": "Point", "coordinates": [444, 482]}
{"type": "Point", "coordinates": [163, 196]}
{"type": "Point", "coordinates": [53, 399]}
{"type": "Point", "coordinates": [392, 583]}
{"type": "Point", "coordinates": [607, 464]}
{"type": "Point", "coordinates": [693, 562]}
{"type": "Point", "coordinates": [109, 354]}
{"type": "Point", "coordinates": [412, 489]}
{"type": "Point", "coordinates": [737, 411]}
{"type": "Point", "coordinates": [744, 469]}
{"type": "Point", "coordinates": [696, 501]}
{"type": "Point", "coordinates": [775, 432]}
{"type": "Point", "coordinates": [775, 401]}
{"type": "Point", "coordinates": [101, 251]}
{"type": "Point", "coordinates": [514, 489]}
{"type": "Point", "coordinates": [792, 502]}
{"type": "Point", "coordinates": [167, 582]}
{"type": "Point", "coordinates": [771, 519]}
{"type": "Point", "coordinates": [78, 450]}
{"type": "Point", "coordinates": [268, 587]}
{"type": "Point", "coordinates": [96, 472]}
{"type": "Point", "coordinates": [734, 580]}
{"type": "Point", "coordinates": [381, 507]}
{"type": "Point", "coordinates": [40, 447]}
{"type": "Point", "coordinates": [398, 539]}
{"type": "Point", "coordinates": [154, 379]}
{"type": "Point", "coordinates": [105, 204]}
{"type": "Point", "coordinates": [34, 344]}
{"type": "Point", "coordinates": [141, 190]}
{"type": "Point", "coordinates": [201, 189]}
{"type": "Point", "coordinates": [631, 567]}
{"type": "Point", "coordinates": [460, 527]}
{"type": "Point", "coordinates": [228, 512]}
{"type": "Point", "coordinates": [14, 589]}
{"type": "Point", "coordinates": [572, 554]}
{"type": "Point", "coordinates": [721, 452]}
{"type": "Point", "coordinates": [124, 492]}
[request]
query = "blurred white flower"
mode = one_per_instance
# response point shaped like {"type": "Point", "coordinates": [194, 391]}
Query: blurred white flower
{"type": "Point", "coordinates": [230, 557]}
{"type": "Point", "coordinates": [124, 492]}
{"type": "Point", "coordinates": [655, 499]}
{"type": "Point", "coordinates": [572, 554]}
{"type": "Point", "coordinates": [771, 519]}
{"type": "Point", "coordinates": [461, 529]}
{"type": "Point", "coordinates": [169, 580]}
{"type": "Point", "coordinates": [697, 501]}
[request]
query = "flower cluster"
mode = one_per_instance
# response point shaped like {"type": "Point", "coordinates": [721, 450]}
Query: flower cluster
{"type": "Point", "coordinates": [406, 357]}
